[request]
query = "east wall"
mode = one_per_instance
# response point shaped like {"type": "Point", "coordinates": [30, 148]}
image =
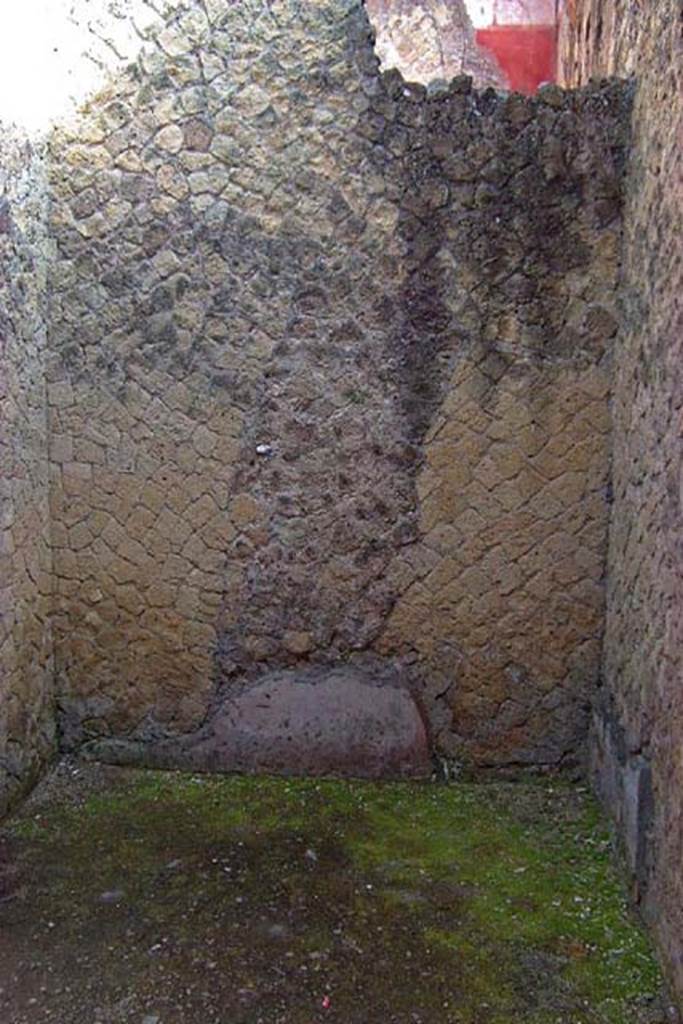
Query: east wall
{"type": "Point", "coordinates": [638, 728]}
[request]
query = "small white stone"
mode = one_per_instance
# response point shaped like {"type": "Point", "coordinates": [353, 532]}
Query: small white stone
{"type": "Point", "coordinates": [170, 138]}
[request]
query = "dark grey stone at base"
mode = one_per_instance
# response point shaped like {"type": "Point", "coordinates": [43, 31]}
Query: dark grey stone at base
{"type": "Point", "coordinates": [316, 722]}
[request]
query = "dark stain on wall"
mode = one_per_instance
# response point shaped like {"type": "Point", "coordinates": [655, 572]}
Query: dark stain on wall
{"type": "Point", "coordinates": [265, 285]}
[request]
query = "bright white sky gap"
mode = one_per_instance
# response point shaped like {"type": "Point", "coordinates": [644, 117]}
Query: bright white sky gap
{"type": "Point", "coordinates": [43, 67]}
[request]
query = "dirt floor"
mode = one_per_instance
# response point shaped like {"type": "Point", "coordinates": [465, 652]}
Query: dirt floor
{"type": "Point", "coordinates": [157, 898]}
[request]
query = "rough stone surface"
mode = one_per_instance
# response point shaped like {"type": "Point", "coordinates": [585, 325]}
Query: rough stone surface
{"type": "Point", "coordinates": [26, 669]}
{"type": "Point", "coordinates": [639, 717]}
{"type": "Point", "coordinates": [315, 722]}
{"type": "Point", "coordinates": [330, 361]}
{"type": "Point", "coordinates": [430, 40]}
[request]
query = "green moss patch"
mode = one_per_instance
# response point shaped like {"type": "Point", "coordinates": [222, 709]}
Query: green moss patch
{"type": "Point", "coordinates": [244, 900]}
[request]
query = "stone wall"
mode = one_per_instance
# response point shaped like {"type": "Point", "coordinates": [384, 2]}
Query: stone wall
{"type": "Point", "coordinates": [26, 677]}
{"type": "Point", "coordinates": [639, 724]}
{"type": "Point", "coordinates": [329, 383]}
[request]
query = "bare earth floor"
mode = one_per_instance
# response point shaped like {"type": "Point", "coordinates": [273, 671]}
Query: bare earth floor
{"type": "Point", "coordinates": [157, 898]}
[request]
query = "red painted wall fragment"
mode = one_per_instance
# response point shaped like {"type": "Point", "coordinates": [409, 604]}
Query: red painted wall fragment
{"type": "Point", "coordinates": [527, 54]}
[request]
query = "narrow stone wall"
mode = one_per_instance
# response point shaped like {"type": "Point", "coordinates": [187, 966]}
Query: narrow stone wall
{"type": "Point", "coordinates": [26, 683]}
{"type": "Point", "coordinates": [639, 721]}
{"type": "Point", "coordinates": [330, 384]}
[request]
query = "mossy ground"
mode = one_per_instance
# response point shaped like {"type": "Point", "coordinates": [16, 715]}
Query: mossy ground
{"type": "Point", "coordinates": [175, 899]}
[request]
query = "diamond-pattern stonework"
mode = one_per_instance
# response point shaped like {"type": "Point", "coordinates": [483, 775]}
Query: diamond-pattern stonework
{"type": "Point", "coordinates": [512, 527]}
{"type": "Point", "coordinates": [329, 378]}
